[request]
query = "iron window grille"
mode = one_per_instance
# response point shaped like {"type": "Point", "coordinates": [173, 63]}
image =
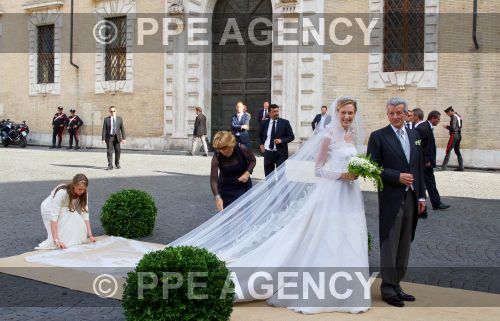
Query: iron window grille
{"type": "Point", "coordinates": [404, 31]}
{"type": "Point", "coordinates": [116, 49]}
{"type": "Point", "coordinates": [45, 46]}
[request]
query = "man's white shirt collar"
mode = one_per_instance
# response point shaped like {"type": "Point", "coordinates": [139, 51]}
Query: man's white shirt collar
{"type": "Point", "coordinates": [396, 129]}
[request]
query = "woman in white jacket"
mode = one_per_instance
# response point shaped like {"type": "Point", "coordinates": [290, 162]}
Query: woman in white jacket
{"type": "Point", "coordinates": [65, 215]}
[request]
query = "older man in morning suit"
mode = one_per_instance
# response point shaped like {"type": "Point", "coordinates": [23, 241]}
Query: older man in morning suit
{"type": "Point", "coordinates": [397, 150]}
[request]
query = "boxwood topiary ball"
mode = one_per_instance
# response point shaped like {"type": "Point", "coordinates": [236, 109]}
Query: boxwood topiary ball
{"type": "Point", "coordinates": [179, 283]}
{"type": "Point", "coordinates": [129, 213]}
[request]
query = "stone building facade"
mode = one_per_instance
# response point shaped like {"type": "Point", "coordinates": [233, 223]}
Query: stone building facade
{"type": "Point", "coordinates": [159, 89]}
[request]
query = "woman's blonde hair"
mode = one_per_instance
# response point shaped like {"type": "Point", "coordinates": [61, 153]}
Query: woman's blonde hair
{"type": "Point", "coordinates": [342, 101]}
{"type": "Point", "coordinates": [82, 199]}
{"type": "Point", "coordinates": [224, 139]}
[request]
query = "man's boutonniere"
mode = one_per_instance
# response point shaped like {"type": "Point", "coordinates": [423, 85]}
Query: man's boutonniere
{"type": "Point", "coordinates": [418, 142]}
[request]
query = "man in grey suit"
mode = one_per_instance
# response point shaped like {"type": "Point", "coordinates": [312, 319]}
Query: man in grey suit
{"type": "Point", "coordinates": [240, 124]}
{"type": "Point", "coordinates": [200, 131]}
{"type": "Point", "coordinates": [113, 134]}
{"type": "Point", "coordinates": [397, 149]}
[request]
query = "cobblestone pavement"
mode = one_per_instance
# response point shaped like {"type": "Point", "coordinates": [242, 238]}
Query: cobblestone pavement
{"type": "Point", "coordinates": [457, 248]}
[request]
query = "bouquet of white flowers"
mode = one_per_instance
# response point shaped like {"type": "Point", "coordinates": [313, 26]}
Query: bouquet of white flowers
{"type": "Point", "coordinates": [363, 166]}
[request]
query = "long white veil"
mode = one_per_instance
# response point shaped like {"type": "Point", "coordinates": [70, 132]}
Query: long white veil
{"type": "Point", "coordinates": [273, 202]}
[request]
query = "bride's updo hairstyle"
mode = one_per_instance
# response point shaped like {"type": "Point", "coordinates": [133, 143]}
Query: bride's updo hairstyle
{"type": "Point", "coordinates": [81, 205]}
{"type": "Point", "coordinates": [346, 100]}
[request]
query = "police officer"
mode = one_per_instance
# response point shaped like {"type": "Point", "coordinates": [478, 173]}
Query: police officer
{"type": "Point", "coordinates": [74, 124]}
{"type": "Point", "coordinates": [455, 129]}
{"type": "Point", "coordinates": [58, 122]}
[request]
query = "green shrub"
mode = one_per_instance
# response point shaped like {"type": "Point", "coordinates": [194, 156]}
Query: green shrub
{"type": "Point", "coordinates": [177, 304]}
{"type": "Point", "coordinates": [129, 213]}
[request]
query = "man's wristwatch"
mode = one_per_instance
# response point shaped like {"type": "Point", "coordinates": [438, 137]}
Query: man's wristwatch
{"type": "Point", "coordinates": [56, 240]}
{"type": "Point", "coordinates": [217, 196]}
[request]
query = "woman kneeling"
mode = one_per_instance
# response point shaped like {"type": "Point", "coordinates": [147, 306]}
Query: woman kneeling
{"type": "Point", "coordinates": [65, 215]}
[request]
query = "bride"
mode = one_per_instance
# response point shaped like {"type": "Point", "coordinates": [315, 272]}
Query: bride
{"type": "Point", "coordinates": [306, 216]}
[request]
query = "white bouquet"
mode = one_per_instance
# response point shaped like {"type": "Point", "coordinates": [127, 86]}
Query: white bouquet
{"type": "Point", "coordinates": [363, 166]}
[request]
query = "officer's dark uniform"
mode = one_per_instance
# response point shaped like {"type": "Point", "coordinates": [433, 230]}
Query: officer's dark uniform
{"type": "Point", "coordinates": [58, 122]}
{"type": "Point", "coordinates": [74, 124]}
{"type": "Point", "coordinates": [455, 129]}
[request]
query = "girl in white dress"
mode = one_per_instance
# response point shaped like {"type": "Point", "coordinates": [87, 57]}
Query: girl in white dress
{"type": "Point", "coordinates": [65, 215]}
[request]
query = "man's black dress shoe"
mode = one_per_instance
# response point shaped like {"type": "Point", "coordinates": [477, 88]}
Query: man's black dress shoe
{"type": "Point", "coordinates": [405, 297]}
{"type": "Point", "coordinates": [118, 166]}
{"type": "Point", "coordinates": [460, 169]}
{"type": "Point", "coordinates": [441, 207]}
{"type": "Point", "coordinates": [394, 301]}
{"type": "Point", "coordinates": [109, 168]}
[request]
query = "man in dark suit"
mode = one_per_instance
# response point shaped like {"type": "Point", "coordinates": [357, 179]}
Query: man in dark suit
{"type": "Point", "coordinates": [200, 131]}
{"type": "Point", "coordinates": [275, 134]}
{"type": "Point", "coordinates": [113, 134]}
{"type": "Point", "coordinates": [402, 198]}
{"type": "Point", "coordinates": [321, 120]}
{"type": "Point", "coordinates": [410, 120]}
{"type": "Point", "coordinates": [263, 114]}
{"type": "Point", "coordinates": [240, 123]}
{"type": "Point", "coordinates": [425, 129]}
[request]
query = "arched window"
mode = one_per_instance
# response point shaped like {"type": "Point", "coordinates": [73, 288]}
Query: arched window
{"type": "Point", "coordinates": [404, 31]}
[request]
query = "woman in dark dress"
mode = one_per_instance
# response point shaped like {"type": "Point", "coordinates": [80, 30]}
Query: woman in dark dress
{"type": "Point", "coordinates": [232, 165]}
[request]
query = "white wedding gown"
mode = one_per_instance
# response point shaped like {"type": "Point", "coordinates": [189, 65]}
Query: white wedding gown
{"type": "Point", "coordinates": [329, 231]}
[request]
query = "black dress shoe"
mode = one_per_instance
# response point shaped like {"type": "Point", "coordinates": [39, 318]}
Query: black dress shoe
{"type": "Point", "coordinates": [69, 147]}
{"type": "Point", "coordinates": [405, 297]}
{"type": "Point", "coordinates": [394, 301]}
{"type": "Point", "coordinates": [441, 207]}
{"type": "Point", "coordinates": [459, 169]}
{"type": "Point", "coordinates": [118, 166]}
{"type": "Point", "coordinates": [109, 168]}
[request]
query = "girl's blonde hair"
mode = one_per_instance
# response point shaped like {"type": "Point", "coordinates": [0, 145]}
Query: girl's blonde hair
{"type": "Point", "coordinates": [82, 199]}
